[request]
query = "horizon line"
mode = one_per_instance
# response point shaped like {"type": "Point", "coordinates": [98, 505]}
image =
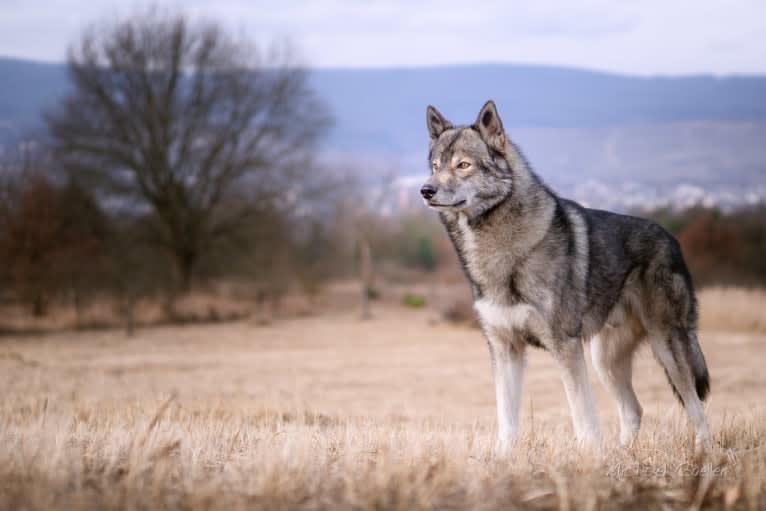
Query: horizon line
{"type": "Point", "coordinates": [473, 64]}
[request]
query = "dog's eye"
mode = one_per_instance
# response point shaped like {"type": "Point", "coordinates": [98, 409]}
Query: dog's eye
{"type": "Point", "coordinates": [435, 165]}
{"type": "Point", "coordinates": [463, 165]}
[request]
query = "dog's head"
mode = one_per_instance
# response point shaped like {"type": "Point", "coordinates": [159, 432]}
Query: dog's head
{"type": "Point", "coordinates": [470, 172]}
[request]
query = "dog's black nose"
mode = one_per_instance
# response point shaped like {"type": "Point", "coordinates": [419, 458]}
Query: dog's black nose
{"type": "Point", "coordinates": [428, 191]}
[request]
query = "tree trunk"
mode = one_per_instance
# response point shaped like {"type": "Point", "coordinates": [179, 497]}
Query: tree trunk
{"type": "Point", "coordinates": [366, 270]}
{"type": "Point", "coordinates": [39, 308]}
{"type": "Point", "coordinates": [128, 311]}
{"type": "Point", "coordinates": [186, 264]}
{"type": "Point", "coordinates": [78, 306]}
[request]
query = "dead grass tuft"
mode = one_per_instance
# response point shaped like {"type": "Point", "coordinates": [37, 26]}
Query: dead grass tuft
{"type": "Point", "coordinates": [198, 461]}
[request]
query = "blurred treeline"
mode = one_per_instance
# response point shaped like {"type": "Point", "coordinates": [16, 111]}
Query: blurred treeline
{"type": "Point", "coordinates": [59, 245]}
{"type": "Point", "coordinates": [62, 247]}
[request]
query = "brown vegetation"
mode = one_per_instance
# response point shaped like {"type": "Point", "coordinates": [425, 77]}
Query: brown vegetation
{"type": "Point", "coordinates": [51, 243]}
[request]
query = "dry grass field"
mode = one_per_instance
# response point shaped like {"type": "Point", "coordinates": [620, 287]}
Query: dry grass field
{"type": "Point", "coordinates": [331, 412]}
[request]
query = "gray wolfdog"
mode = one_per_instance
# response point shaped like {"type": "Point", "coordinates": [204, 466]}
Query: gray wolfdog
{"type": "Point", "coordinates": [549, 273]}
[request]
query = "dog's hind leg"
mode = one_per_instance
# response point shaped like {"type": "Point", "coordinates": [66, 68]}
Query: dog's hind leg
{"type": "Point", "coordinates": [612, 355]}
{"type": "Point", "coordinates": [672, 351]}
{"type": "Point", "coordinates": [574, 375]}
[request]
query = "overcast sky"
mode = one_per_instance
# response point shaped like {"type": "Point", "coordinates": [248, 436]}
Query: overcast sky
{"type": "Point", "coordinates": [639, 36]}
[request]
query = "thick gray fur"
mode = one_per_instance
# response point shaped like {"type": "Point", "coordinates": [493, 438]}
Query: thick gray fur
{"type": "Point", "coordinates": [549, 273]}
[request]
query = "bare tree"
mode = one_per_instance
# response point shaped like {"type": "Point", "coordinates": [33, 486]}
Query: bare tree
{"type": "Point", "coordinates": [181, 118]}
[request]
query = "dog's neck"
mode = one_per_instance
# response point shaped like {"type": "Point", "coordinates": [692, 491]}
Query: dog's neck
{"type": "Point", "coordinates": [517, 222]}
{"type": "Point", "coordinates": [527, 198]}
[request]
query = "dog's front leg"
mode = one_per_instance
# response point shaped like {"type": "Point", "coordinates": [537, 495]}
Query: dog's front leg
{"type": "Point", "coordinates": [508, 363]}
{"type": "Point", "coordinates": [574, 375]}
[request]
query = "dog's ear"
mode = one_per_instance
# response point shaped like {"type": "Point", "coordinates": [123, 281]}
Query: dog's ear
{"type": "Point", "coordinates": [491, 127]}
{"type": "Point", "coordinates": [437, 124]}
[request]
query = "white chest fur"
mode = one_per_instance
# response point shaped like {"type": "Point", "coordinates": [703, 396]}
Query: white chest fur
{"type": "Point", "coordinates": [489, 262]}
{"type": "Point", "coordinates": [506, 318]}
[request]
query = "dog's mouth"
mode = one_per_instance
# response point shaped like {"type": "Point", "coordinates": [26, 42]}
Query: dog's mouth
{"type": "Point", "coordinates": [438, 205]}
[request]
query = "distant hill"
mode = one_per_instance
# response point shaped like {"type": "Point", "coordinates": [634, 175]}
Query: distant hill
{"type": "Point", "coordinates": [26, 88]}
{"type": "Point", "coordinates": [575, 125]}
{"type": "Point", "coordinates": [385, 109]}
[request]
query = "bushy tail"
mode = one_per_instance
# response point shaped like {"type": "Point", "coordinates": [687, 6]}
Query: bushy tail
{"type": "Point", "coordinates": [683, 344]}
{"type": "Point", "coordinates": [698, 366]}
